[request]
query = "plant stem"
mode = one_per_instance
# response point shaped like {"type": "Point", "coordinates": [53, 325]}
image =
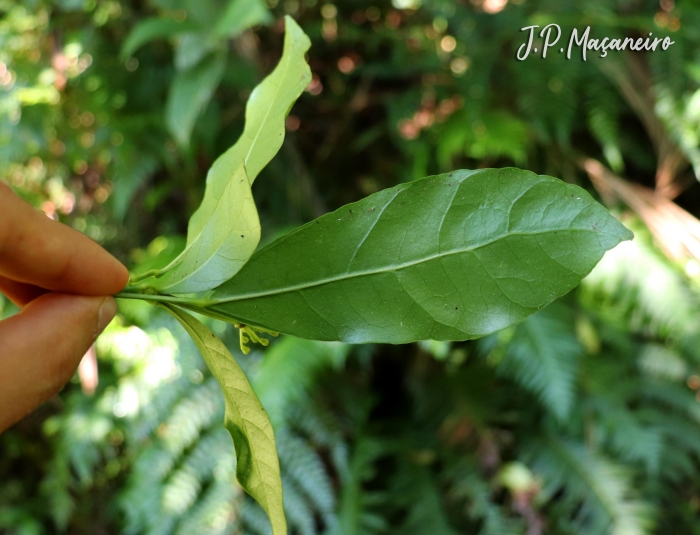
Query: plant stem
{"type": "Point", "coordinates": [163, 298]}
{"type": "Point", "coordinates": [147, 274]}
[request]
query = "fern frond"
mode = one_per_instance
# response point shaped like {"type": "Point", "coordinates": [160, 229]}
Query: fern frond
{"type": "Point", "coordinates": [358, 511]}
{"type": "Point", "coordinates": [634, 287]}
{"type": "Point", "coordinates": [302, 465]}
{"type": "Point", "coordinates": [288, 370]}
{"type": "Point", "coordinates": [542, 357]}
{"type": "Point", "coordinates": [254, 520]}
{"type": "Point", "coordinates": [322, 428]}
{"type": "Point", "coordinates": [628, 434]}
{"type": "Point", "coordinates": [466, 484]}
{"type": "Point", "coordinates": [596, 492]}
{"type": "Point", "coordinates": [299, 511]}
{"type": "Point", "coordinates": [416, 490]}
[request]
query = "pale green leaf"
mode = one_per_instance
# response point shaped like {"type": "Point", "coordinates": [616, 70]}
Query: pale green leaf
{"type": "Point", "coordinates": [190, 91]}
{"type": "Point", "coordinates": [450, 257]}
{"type": "Point", "coordinates": [154, 28]}
{"type": "Point", "coordinates": [257, 466]}
{"type": "Point", "coordinates": [225, 230]}
{"type": "Point", "coordinates": [222, 247]}
{"type": "Point", "coordinates": [240, 15]}
{"type": "Point", "coordinates": [262, 137]}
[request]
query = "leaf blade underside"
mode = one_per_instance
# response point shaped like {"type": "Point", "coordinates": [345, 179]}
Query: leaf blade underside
{"type": "Point", "coordinates": [266, 111]}
{"type": "Point", "coordinates": [450, 257]}
{"type": "Point", "coordinates": [257, 468]}
{"type": "Point", "coordinates": [223, 246]}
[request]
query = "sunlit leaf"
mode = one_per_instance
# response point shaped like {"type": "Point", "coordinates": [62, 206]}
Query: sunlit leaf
{"type": "Point", "coordinates": [267, 108]}
{"type": "Point", "coordinates": [257, 467]}
{"type": "Point", "coordinates": [225, 230]}
{"type": "Point", "coordinates": [450, 257]}
{"type": "Point", "coordinates": [223, 246]}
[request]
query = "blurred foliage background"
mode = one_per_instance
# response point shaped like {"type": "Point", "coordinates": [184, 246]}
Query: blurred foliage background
{"type": "Point", "coordinates": [585, 419]}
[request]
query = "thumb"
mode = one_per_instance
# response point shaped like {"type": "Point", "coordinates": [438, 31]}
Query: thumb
{"type": "Point", "coordinates": [41, 347]}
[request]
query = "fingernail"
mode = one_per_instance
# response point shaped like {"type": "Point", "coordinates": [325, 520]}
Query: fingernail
{"type": "Point", "coordinates": [107, 311]}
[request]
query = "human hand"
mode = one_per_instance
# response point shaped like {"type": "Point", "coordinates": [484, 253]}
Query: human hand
{"type": "Point", "coordinates": [60, 279]}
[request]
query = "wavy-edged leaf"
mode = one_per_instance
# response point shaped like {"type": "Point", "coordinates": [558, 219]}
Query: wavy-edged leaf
{"type": "Point", "coordinates": [257, 466]}
{"type": "Point", "coordinates": [450, 257]}
{"type": "Point", "coordinates": [190, 91]}
{"type": "Point", "coordinates": [154, 28]}
{"type": "Point", "coordinates": [267, 108]}
{"type": "Point", "coordinates": [223, 246]}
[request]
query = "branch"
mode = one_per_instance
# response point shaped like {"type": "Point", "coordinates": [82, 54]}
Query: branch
{"type": "Point", "coordinates": [676, 231]}
{"type": "Point", "coordinates": [633, 81]}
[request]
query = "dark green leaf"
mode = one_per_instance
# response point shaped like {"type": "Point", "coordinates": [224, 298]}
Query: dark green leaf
{"type": "Point", "coordinates": [449, 257]}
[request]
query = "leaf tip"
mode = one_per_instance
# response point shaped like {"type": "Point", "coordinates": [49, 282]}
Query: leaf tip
{"type": "Point", "coordinates": [293, 32]}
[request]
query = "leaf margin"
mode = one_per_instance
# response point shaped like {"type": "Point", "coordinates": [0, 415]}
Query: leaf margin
{"type": "Point", "coordinates": [275, 511]}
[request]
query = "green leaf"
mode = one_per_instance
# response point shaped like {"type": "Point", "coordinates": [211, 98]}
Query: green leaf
{"type": "Point", "coordinates": [225, 230]}
{"type": "Point", "coordinates": [450, 257]}
{"type": "Point", "coordinates": [190, 91]}
{"type": "Point", "coordinates": [222, 247]}
{"type": "Point", "coordinates": [154, 28]}
{"type": "Point", "coordinates": [192, 48]}
{"type": "Point", "coordinates": [257, 468]}
{"type": "Point", "coordinates": [262, 137]}
{"type": "Point", "coordinates": [131, 169]}
{"type": "Point", "coordinates": [241, 15]}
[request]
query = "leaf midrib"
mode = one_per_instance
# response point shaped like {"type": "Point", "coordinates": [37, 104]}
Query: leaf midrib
{"type": "Point", "coordinates": [393, 267]}
{"type": "Point", "coordinates": [269, 111]}
{"type": "Point", "coordinates": [219, 377]}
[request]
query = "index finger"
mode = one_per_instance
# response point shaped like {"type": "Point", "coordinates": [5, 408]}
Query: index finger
{"type": "Point", "coordinates": [37, 250]}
